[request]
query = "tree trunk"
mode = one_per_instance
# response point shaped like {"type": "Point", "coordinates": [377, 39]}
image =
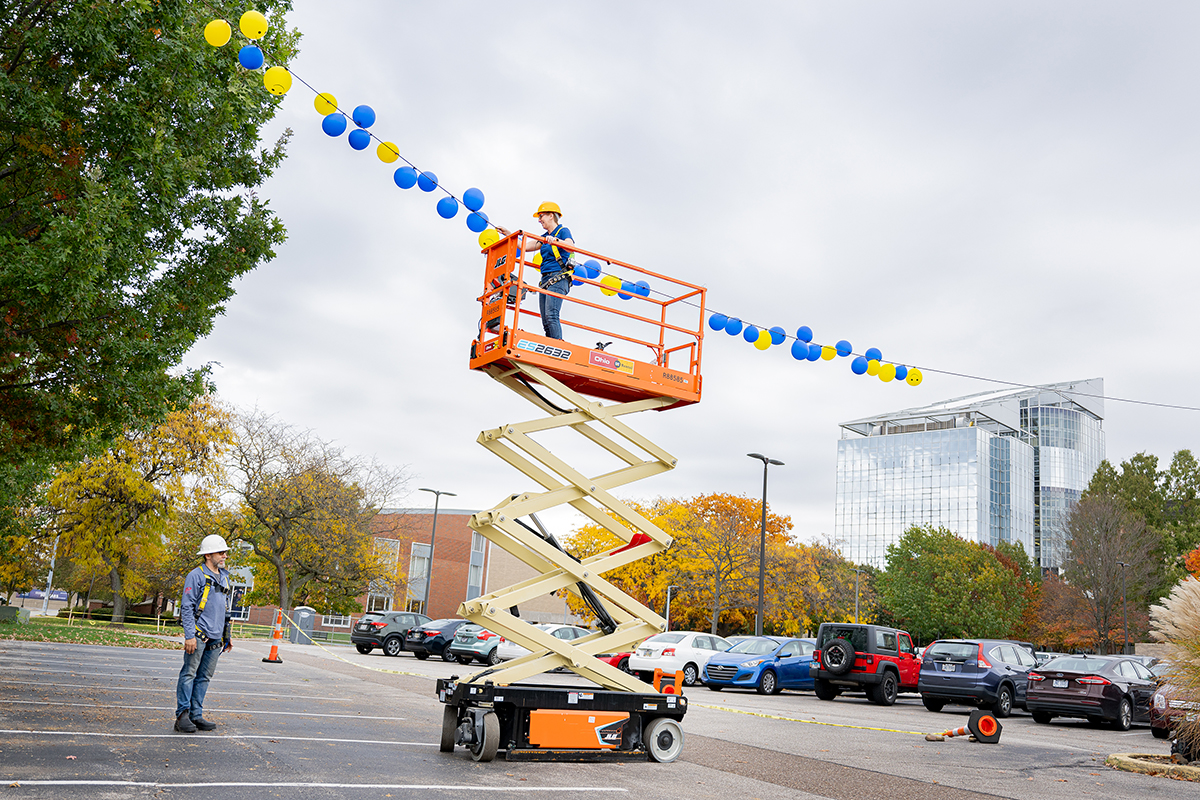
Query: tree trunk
{"type": "Point", "coordinates": [114, 579]}
{"type": "Point", "coordinates": [285, 590]}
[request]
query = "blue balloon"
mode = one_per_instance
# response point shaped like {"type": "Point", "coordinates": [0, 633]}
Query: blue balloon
{"type": "Point", "coordinates": [427, 181]}
{"type": "Point", "coordinates": [641, 289]}
{"type": "Point", "coordinates": [580, 272]}
{"type": "Point", "coordinates": [473, 199]}
{"type": "Point", "coordinates": [405, 177]}
{"type": "Point", "coordinates": [873, 354]}
{"type": "Point", "coordinates": [843, 348]}
{"type": "Point", "coordinates": [800, 350]}
{"type": "Point", "coordinates": [901, 372]}
{"type": "Point", "coordinates": [626, 291]}
{"type": "Point", "coordinates": [250, 57]}
{"type": "Point", "coordinates": [778, 335]}
{"type": "Point", "coordinates": [733, 326]}
{"type": "Point", "coordinates": [359, 139]}
{"type": "Point", "coordinates": [859, 365]}
{"type": "Point", "coordinates": [717, 322]}
{"type": "Point", "coordinates": [804, 333]}
{"type": "Point", "coordinates": [447, 207]}
{"type": "Point", "coordinates": [750, 334]}
{"type": "Point", "coordinates": [593, 268]}
{"type": "Point", "coordinates": [477, 221]}
{"type": "Point", "coordinates": [363, 116]}
{"type": "Point", "coordinates": [814, 352]}
{"type": "Point", "coordinates": [334, 124]}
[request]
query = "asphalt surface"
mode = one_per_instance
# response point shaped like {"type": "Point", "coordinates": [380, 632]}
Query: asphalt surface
{"type": "Point", "coordinates": [89, 721]}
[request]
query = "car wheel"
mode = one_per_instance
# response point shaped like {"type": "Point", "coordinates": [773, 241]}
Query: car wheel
{"type": "Point", "coordinates": [365, 649]}
{"type": "Point", "coordinates": [464, 660]}
{"type": "Point", "coordinates": [392, 646]}
{"type": "Point", "coordinates": [1003, 705]}
{"type": "Point", "coordinates": [449, 727]}
{"type": "Point", "coordinates": [1161, 733]}
{"type": "Point", "coordinates": [933, 704]}
{"type": "Point", "coordinates": [486, 750]}
{"type": "Point", "coordinates": [421, 655]}
{"type": "Point", "coordinates": [493, 657]}
{"type": "Point", "coordinates": [1124, 719]}
{"type": "Point", "coordinates": [664, 739]}
{"type": "Point", "coordinates": [624, 665]}
{"type": "Point", "coordinates": [838, 656]}
{"type": "Point", "coordinates": [1042, 717]}
{"type": "Point", "coordinates": [825, 690]}
{"type": "Point", "coordinates": [447, 656]}
{"type": "Point", "coordinates": [690, 674]}
{"type": "Point", "coordinates": [886, 692]}
{"type": "Point", "coordinates": [768, 683]}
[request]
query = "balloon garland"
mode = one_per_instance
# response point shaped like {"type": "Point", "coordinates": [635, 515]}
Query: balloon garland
{"type": "Point", "coordinates": [334, 122]}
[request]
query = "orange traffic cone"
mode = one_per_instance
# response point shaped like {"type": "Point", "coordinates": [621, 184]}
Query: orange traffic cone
{"type": "Point", "coordinates": [275, 637]}
{"type": "Point", "coordinates": [981, 726]}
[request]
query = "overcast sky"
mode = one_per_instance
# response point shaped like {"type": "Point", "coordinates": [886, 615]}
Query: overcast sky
{"type": "Point", "coordinates": [1007, 190]}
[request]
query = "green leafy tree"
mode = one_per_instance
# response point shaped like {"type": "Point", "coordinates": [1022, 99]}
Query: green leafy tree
{"type": "Point", "coordinates": [129, 155]}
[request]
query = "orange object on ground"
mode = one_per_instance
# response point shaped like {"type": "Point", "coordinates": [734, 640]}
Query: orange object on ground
{"type": "Point", "coordinates": [275, 637]}
{"type": "Point", "coordinates": [676, 677]}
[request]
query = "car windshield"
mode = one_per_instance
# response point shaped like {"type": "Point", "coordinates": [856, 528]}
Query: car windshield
{"type": "Point", "coordinates": [440, 623]}
{"type": "Point", "coordinates": [666, 638]}
{"type": "Point", "coordinates": [952, 651]}
{"type": "Point", "coordinates": [755, 647]}
{"type": "Point", "coordinates": [1073, 664]}
{"type": "Point", "coordinates": [372, 615]}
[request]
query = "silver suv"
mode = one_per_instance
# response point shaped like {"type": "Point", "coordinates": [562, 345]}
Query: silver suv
{"type": "Point", "coordinates": [384, 629]}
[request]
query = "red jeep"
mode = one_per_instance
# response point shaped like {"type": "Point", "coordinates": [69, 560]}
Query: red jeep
{"type": "Point", "coordinates": [873, 658]}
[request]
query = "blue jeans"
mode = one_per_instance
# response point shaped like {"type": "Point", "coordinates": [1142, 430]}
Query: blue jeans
{"type": "Point", "coordinates": [551, 304]}
{"type": "Point", "coordinates": [198, 669]}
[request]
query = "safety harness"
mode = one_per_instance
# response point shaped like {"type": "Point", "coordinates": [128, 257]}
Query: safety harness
{"type": "Point", "coordinates": [564, 261]}
{"type": "Point", "coordinates": [210, 583]}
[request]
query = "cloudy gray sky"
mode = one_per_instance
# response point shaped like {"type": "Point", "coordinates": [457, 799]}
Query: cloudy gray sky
{"type": "Point", "coordinates": [1007, 190]}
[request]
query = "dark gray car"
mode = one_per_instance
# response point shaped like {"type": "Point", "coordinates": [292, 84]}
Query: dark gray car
{"type": "Point", "coordinates": [385, 630]}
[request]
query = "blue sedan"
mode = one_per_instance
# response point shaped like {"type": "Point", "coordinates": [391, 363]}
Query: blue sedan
{"type": "Point", "coordinates": [765, 663]}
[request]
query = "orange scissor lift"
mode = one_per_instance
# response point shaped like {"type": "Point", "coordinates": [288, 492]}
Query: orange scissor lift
{"type": "Point", "coordinates": [647, 357]}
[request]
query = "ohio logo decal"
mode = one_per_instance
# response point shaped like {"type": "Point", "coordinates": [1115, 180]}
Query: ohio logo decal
{"type": "Point", "coordinates": [599, 359]}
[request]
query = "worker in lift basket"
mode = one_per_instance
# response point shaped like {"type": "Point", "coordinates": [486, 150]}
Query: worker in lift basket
{"type": "Point", "coordinates": [557, 268]}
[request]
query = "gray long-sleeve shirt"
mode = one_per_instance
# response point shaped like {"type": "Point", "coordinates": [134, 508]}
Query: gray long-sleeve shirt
{"type": "Point", "coordinates": [212, 618]}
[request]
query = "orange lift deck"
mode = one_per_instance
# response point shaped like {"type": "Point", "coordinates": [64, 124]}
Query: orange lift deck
{"type": "Point", "coordinates": [633, 342]}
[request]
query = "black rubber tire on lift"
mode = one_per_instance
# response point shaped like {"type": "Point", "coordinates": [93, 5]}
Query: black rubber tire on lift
{"type": "Point", "coordinates": [932, 703]}
{"type": "Point", "coordinates": [464, 659]}
{"type": "Point", "coordinates": [1004, 702]}
{"type": "Point", "coordinates": [664, 739]}
{"type": "Point", "coordinates": [886, 691]}
{"type": "Point", "coordinates": [1041, 717]}
{"type": "Point", "coordinates": [825, 690]}
{"type": "Point", "coordinates": [421, 654]}
{"type": "Point", "coordinates": [838, 657]}
{"type": "Point", "coordinates": [449, 728]}
{"type": "Point", "coordinates": [768, 683]}
{"type": "Point", "coordinates": [486, 750]}
{"type": "Point", "coordinates": [1161, 733]}
{"type": "Point", "coordinates": [365, 649]}
{"type": "Point", "coordinates": [1124, 720]}
{"type": "Point", "coordinates": [447, 656]}
{"type": "Point", "coordinates": [393, 646]}
{"type": "Point", "coordinates": [691, 675]}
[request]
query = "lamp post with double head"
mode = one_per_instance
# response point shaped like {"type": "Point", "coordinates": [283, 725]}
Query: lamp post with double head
{"type": "Point", "coordinates": [668, 615]}
{"type": "Point", "coordinates": [1124, 607]}
{"type": "Point", "coordinates": [762, 542]}
{"type": "Point", "coordinates": [857, 572]}
{"type": "Point", "coordinates": [437, 496]}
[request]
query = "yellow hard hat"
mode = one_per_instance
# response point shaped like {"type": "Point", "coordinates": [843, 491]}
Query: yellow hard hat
{"type": "Point", "coordinates": [547, 206]}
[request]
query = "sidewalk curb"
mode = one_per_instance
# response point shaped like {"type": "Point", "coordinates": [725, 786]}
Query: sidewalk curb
{"type": "Point", "coordinates": [1133, 762]}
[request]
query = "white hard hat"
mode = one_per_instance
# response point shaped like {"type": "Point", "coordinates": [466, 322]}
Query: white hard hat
{"type": "Point", "coordinates": [212, 544]}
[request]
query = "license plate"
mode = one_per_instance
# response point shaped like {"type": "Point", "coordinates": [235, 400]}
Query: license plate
{"type": "Point", "coordinates": [1060, 684]}
{"type": "Point", "coordinates": [643, 653]}
{"type": "Point", "coordinates": [947, 668]}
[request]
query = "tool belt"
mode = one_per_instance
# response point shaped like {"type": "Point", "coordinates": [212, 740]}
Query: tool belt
{"type": "Point", "coordinates": [549, 279]}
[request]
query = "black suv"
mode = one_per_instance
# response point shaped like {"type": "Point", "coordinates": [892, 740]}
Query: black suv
{"type": "Point", "coordinates": [873, 658]}
{"type": "Point", "coordinates": [384, 629]}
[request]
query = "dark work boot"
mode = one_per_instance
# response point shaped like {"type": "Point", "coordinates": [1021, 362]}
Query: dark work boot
{"type": "Point", "coordinates": [184, 724]}
{"type": "Point", "coordinates": [203, 724]}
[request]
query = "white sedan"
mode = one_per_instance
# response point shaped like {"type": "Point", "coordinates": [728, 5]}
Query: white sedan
{"type": "Point", "coordinates": [507, 650]}
{"type": "Point", "coordinates": [675, 651]}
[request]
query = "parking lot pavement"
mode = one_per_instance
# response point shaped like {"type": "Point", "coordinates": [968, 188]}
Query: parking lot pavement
{"type": "Point", "coordinates": [330, 722]}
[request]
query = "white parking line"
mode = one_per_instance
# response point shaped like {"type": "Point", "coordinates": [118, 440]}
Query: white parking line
{"type": "Point", "coordinates": [172, 708]}
{"type": "Point", "coordinates": [217, 736]}
{"type": "Point", "coordinates": [215, 680]}
{"type": "Point", "coordinates": [220, 693]}
{"type": "Point", "coordinates": [451, 786]}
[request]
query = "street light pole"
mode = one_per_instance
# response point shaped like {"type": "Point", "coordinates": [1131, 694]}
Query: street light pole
{"type": "Point", "coordinates": [857, 572]}
{"type": "Point", "coordinates": [437, 496]}
{"type": "Point", "coordinates": [1124, 607]}
{"type": "Point", "coordinates": [669, 588]}
{"type": "Point", "coordinates": [762, 542]}
{"type": "Point", "coordinates": [50, 578]}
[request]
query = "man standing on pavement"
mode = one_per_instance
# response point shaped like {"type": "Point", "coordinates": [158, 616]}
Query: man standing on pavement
{"type": "Point", "coordinates": [205, 632]}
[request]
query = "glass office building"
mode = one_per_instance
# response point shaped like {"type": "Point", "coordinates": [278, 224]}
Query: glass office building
{"type": "Point", "coordinates": [993, 467]}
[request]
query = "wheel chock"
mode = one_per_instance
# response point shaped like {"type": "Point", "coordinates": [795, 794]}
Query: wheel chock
{"type": "Point", "coordinates": [982, 726]}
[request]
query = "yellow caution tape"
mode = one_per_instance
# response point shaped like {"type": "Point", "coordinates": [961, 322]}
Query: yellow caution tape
{"type": "Point", "coordinates": [805, 721]}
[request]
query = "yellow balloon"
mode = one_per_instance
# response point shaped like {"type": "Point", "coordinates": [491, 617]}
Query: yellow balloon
{"type": "Point", "coordinates": [872, 367]}
{"type": "Point", "coordinates": [828, 353]}
{"type": "Point", "coordinates": [763, 341]}
{"type": "Point", "coordinates": [253, 25]}
{"type": "Point", "coordinates": [387, 152]}
{"type": "Point", "coordinates": [537, 259]}
{"type": "Point", "coordinates": [277, 80]}
{"type": "Point", "coordinates": [217, 33]}
{"type": "Point", "coordinates": [488, 238]}
{"type": "Point", "coordinates": [914, 376]}
{"type": "Point", "coordinates": [887, 372]}
{"type": "Point", "coordinates": [325, 104]}
{"type": "Point", "coordinates": [612, 282]}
